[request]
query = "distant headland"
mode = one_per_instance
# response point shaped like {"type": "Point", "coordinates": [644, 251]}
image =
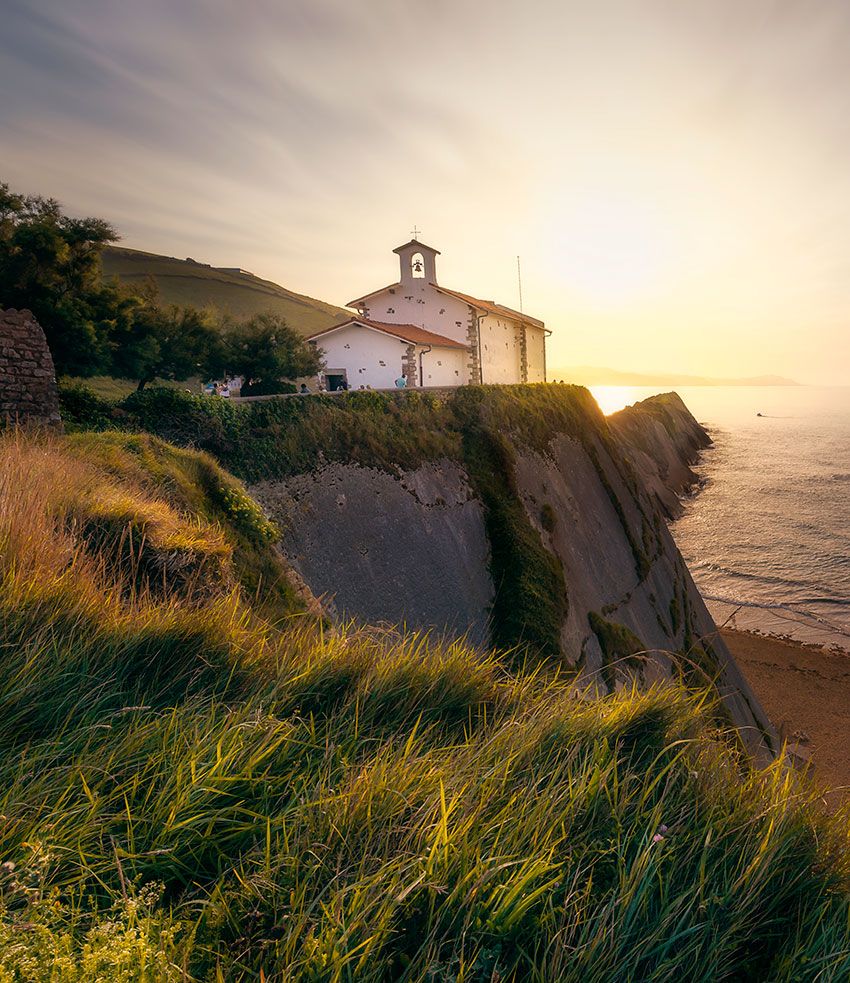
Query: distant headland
{"type": "Point", "coordinates": [591, 375]}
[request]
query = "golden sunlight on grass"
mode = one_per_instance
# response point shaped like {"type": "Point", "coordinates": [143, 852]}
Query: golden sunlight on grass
{"type": "Point", "coordinates": [189, 793]}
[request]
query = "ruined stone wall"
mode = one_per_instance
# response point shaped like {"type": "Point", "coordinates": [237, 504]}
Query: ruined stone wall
{"type": "Point", "coordinates": [28, 393]}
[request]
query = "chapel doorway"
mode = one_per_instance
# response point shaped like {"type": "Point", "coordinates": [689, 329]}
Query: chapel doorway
{"type": "Point", "coordinates": [336, 379]}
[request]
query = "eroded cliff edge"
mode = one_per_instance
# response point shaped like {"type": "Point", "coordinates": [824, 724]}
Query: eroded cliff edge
{"type": "Point", "coordinates": [531, 524]}
{"type": "Point", "coordinates": [662, 439]}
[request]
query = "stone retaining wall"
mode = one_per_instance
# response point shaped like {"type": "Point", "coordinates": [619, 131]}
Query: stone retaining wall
{"type": "Point", "coordinates": [432, 390]}
{"type": "Point", "coordinates": [28, 393]}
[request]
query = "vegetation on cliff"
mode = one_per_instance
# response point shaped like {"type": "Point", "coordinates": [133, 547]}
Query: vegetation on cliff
{"type": "Point", "coordinates": [192, 792]}
{"type": "Point", "coordinates": [618, 644]}
{"type": "Point", "coordinates": [277, 438]}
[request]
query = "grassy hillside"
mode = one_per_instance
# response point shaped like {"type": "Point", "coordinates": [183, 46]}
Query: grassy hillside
{"type": "Point", "coordinates": [190, 792]}
{"type": "Point", "coordinates": [239, 294]}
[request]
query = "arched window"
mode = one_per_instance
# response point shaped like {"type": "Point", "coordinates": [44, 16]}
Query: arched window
{"type": "Point", "coordinates": [417, 266]}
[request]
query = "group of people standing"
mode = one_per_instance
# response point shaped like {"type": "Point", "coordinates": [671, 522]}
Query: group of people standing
{"type": "Point", "coordinates": [340, 384]}
{"type": "Point", "coordinates": [227, 388]}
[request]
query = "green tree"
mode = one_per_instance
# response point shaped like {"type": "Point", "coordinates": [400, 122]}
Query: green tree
{"type": "Point", "coordinates": [50, 263]}
{"type": "Point", "coordinates": [167, 343]}
{"type": "Point", "coordinates": [266, 350]}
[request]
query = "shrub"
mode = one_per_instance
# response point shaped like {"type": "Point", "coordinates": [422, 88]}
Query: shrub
{"type": "Point", "coordinates": [81, 407]}
{"type": "Point", "coordinates": [201, 422]}
{"type": "Point", "coordinates": [618, 644]}
{"type": "Point", "coordinates": [271, 387]}
{"type": "Point", "coordinates": [244, 513]}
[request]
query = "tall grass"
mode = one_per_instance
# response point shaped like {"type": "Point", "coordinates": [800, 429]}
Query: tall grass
{"type": "Point", "coordinates": [189, 792]}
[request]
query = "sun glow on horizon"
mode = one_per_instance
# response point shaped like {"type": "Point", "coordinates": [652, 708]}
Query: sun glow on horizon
{"type": "Point", "coordinates": [610, 247]}
{"type": "Point", "coordinates": [611, 399]}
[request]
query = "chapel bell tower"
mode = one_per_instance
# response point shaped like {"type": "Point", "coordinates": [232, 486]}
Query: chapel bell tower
{"type": "Point", "coordinates": [417, 262]}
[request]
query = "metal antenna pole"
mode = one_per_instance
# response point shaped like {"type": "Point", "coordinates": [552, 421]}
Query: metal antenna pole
{"type": "Point", "coordinates": [519, 283]}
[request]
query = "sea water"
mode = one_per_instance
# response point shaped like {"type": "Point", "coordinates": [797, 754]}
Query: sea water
{"type": "Point", "coordinates": [767, 536]}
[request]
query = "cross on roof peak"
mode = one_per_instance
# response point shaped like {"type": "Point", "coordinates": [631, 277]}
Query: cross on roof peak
{"type": "Point", "coordinates": [415, 233]}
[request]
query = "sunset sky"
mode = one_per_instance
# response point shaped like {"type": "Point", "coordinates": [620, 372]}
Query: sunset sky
{"type": "Point", "coordinates": [673, 173]}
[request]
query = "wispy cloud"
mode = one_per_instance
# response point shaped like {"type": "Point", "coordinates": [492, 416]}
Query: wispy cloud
{"type": "Point", "coordinates": [301, 138]}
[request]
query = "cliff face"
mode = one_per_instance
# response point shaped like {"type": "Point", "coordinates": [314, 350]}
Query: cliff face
{"type": "Point", "coordinates": [408, 549]}
{"type": "Point", "coordinates": [546, 528]}
{"type": "Point", "coordinates": [662, 440]}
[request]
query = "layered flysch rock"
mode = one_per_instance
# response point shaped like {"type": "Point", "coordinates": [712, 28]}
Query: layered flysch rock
{"type": "Point", "coordinates": [663, 440]}
{"type": "Point", "coordinates": [409, 550]}
{"type": "Point", "coordinates": [416, 547]}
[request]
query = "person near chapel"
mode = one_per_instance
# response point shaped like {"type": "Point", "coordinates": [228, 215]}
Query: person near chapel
{"type": "Point", "coordinates": [401, 382]}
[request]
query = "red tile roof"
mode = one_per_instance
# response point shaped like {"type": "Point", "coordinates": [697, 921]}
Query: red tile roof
{"type": "Point", "coordinates": [404, 332]}
{"type": "Point", "coordinates": [489, 305]}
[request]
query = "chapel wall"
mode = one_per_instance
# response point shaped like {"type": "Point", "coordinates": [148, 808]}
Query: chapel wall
{"type": "Point", "coordinates": [500, 350]}
{"type": "Point", "coordinates": [369, 358]}
{"type": "Point", "coordinates": [445, 367]}
{"type": "Point", "coordinates": [536, 354]}
{"type": "Point", "coordinates": [420, 304]}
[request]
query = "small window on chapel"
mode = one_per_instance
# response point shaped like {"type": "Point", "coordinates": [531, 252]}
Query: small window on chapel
{"type": "Point", "coordinates": [417, 266]}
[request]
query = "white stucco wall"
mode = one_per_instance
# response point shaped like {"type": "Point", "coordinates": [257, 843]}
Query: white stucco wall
{"type": "Point", "coordinates": [418, 303]}
{"type": "Point", "coordinates": [536, 352]}
{"type": "Point", "coordinates": [445, 367]}
{"type": "Point", "coordinates": [500, 350]}
{"type": "Point", "coordinates": [369, 357]}
{"type": "Point", "coordinates": [501, 357]}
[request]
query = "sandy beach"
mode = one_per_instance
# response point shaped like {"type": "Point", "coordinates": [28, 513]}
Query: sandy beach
{"type": "Point", "coordinates": [805, 690]}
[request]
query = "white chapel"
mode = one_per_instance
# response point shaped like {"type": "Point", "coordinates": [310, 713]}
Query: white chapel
{"type": "Point", "coordinates": [430, 335]}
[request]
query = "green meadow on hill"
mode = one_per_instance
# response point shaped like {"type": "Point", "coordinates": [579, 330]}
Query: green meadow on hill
{"type": "Point", "coordinates": [194, 284]}
{"type": "Point", "coordinates": [200, 780]}
{"type": "Point", "coordinates": [198, 285]}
